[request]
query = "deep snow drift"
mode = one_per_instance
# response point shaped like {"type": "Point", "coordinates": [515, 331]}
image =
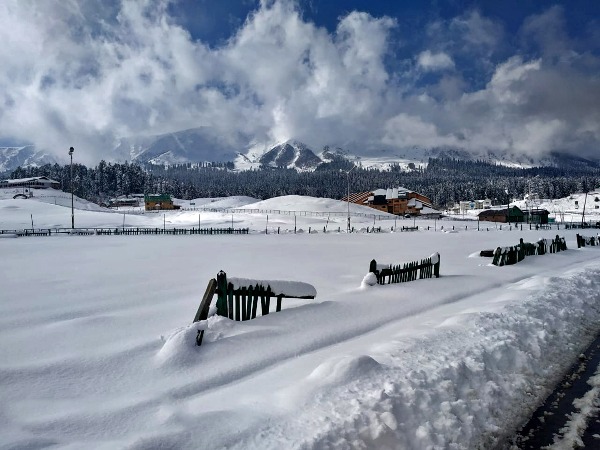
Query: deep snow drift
{"type": "Point", "coordinates": [97, 349]}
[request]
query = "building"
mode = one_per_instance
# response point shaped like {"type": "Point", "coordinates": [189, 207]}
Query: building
{"type": "Point", "coordinates": [155, 202]}
{"type": "Point", "coordinates": [537, 216]}
{"type": "Point", "coordinates": [31, 183]}
{"type": "Point", "coordinates": [505, 215]}
{"type": "Point", "coordinates": [123, 201]}
{"type": "Point", "coordinates": [399, 201]}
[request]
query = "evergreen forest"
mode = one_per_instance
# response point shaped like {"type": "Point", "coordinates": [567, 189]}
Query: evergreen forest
{"type": "Point", "coordinates": [445, 181]}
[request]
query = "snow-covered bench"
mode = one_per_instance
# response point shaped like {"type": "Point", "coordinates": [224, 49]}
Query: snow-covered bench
{"type": "Point", "coordinates": [237, 298]}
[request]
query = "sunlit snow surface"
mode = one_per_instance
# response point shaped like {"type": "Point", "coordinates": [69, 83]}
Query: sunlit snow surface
{"type": "Point", "coordinates": [97, 349]}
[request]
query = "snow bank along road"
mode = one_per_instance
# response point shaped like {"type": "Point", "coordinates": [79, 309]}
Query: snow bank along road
{"type": "Point", "coordinates": [96, 349]}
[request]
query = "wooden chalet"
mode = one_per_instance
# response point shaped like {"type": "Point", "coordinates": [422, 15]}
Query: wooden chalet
{"type": "Point", "coordinates": [155, 202]}
{"type": "Point", "coordinates": [398, 201]}
{"type": "Point", "coordinates": [537, 215]}
{"type": "Point", "coordinates": [32, 183]}
{"type": "Point", "coordinates": [505, 215]}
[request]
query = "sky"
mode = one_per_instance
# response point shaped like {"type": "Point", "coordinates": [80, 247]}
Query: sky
{"type": "Point", "coordinates": [97, 348]}
{"type": "Point", "coordinates": [511, 76]}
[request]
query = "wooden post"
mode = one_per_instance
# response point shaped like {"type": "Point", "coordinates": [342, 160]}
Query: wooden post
{"type": "Point", "coordinates": [578, 240]}
{"type": "Point", "coordinates": [222, 294]}
{"type": "Point", "coordinates": [202, 312]}
{"type": "Point", "coordinates": [373, 268]}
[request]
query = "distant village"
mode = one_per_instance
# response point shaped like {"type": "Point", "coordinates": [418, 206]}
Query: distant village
{"type": "Point", "coordinates": [399, 201]}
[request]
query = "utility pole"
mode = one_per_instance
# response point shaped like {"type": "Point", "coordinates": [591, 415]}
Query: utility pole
{"type": "Point", "coordinates": [71, 150]}
{"type": "Point", "coordinates": [348, 198]}
{"type": "Point", "coordinates": [583, 213]}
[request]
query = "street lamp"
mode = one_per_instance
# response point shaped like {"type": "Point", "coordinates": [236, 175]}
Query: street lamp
{"type": "Point", "coordinates": [71, 150]}
{"type": "Point", "coordinates": [348, 198]}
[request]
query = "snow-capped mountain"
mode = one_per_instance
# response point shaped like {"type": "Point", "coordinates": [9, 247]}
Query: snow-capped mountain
{"type": "Point", "coordinates": [292, 155]}
{"type": "Point", "coordinates": [194, 145]}
{"type": "Point", "coordinates": [205, 145]}
{"type": "Point", "coordinates": [13, 157]}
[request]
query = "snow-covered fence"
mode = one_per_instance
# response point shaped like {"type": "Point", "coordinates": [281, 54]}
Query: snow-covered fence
{"type": "Point", "coordinates": [504, 256]}
{"type": "Point", "coordinates": [400, 273]}
{"type": "Point", "coordinates": [582, 241]}
{"type": "Point", "coordinates": [237, 298]}
{"type": "Point", "coordinates": [124, 231]}
{"type": "Point", "coordinates": [286, 212]}
{"type": "Point", "coordinates": [170, 231]}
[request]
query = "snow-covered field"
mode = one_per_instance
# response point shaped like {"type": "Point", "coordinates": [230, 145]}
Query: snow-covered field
{"type": "Point", "coordinates": [97, 349]}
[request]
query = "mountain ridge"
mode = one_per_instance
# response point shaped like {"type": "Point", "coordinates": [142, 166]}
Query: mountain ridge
{"type": "Point", "coordinates": [202, 144]}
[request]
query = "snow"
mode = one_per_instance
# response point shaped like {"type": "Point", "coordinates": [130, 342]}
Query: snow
{"type": "Point", "coordinates": [587, 408]}
{"type": "Point", "coordinates": [98, 349]}
{"type": "Point", "coordinates": [569, 209]}
{"type": "Point", "coordinates": [278, 287]}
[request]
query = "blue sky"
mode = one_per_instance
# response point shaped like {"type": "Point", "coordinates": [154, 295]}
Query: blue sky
{"type": "Point", "coordinates": [510, 76]}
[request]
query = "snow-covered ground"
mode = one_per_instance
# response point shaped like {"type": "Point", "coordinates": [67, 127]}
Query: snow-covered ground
{"type": "Point", "coordinates": [97, 349]}
{"type": "Point", "coordinates": [564, 210]}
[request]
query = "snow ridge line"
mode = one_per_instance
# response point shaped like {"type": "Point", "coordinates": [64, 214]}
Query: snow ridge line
{"type": "Point", "coordinates": [463, 388]}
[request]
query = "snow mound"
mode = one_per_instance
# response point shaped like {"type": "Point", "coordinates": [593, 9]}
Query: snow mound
{"type": "Point", "coordinates": [304, 203]}
{"type": "Point", "coordinates": [180, 346]}
{"type": "Point", "coordinates": [344, 369]}
{"type": "Point", "coordinates": [370, 279]}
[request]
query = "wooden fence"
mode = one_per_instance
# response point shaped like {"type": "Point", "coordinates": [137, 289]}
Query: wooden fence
{"type": "Point", "coordinates": [124, 231]}
{"type": "Point", "coordinates": [401, 273]}
{"type": "Point", "coordinates": [240, 302]}
{"type": "Point", "coordinates": [512, 255]}
{"type": "Point", "coordinates": [582, 241]}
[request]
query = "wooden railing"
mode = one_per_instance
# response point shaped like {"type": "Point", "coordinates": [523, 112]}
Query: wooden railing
{"type": "Point", "coordinates": [124, 231]}
{"type": "Point", "coordinates": [582, 241]}
{"type": "Point", "coordinates": [389, 273]}
{"type": "Point", "coordinates": [504, 256]}
{"type": "Point", "coordinates": [238, 298]}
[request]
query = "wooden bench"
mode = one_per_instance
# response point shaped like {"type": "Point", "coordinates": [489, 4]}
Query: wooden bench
{"type": "Point", "coordinates": [410, 228]}
{"type": "Point", "coordinates": [237, 298]}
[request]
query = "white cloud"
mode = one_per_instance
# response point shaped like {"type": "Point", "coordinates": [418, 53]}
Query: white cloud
{"type": "Point", "coordinates": [86, 73]}
{"type": "Point", "coordinates": [434, 61]}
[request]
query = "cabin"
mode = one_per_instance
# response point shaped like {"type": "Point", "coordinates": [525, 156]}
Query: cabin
{"type": "Point", "coordinates": [154, 202]}
{"type": "Point", "coordinates": [123, 201]}
{"type": "Point", "coordinates": [505, 215]}
{"type": "Point", "coordinates": [537, 216]}
{"type": "Point", "coordinates": [31, 183]}
{"type": "Point", "coordinates": [399, 201]}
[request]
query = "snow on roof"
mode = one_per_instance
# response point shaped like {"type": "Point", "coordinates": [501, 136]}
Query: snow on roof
{"type": "Point", "coordinates": [425, 210]}
{"type": "Point", "coordinates": [391, 193]}
{"type": "Point", "coordinates": [25, 180]}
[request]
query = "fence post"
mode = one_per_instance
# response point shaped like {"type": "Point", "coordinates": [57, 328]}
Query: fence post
{"type": "Point", "coordinates": [436, 267]}
{"type": "Point", "coordinates": [202, 312]}
{"type": "Point", "coordinates": [222, 294]}
{"type": "Point", "coordinates": [578, 240]}
{"type": "Point", "coordinates": [373, 267]}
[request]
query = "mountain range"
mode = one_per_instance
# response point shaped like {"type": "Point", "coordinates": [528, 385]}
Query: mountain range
{"type": "Point", "coordinates": [202, 145]}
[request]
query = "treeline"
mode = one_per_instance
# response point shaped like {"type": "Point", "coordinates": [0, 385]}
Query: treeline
{"type": "Point", "coordinates": [445, 181]}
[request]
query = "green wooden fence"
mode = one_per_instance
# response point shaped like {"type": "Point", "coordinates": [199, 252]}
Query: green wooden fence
{"type": "Point", "coordinates": [401, 273]}
{"type": "Point", "coordinates": [504, 256]}
{"type": "Point", "coordinates": [582, 241]}
{"type": "Point", "coordinates": [241, 302]}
